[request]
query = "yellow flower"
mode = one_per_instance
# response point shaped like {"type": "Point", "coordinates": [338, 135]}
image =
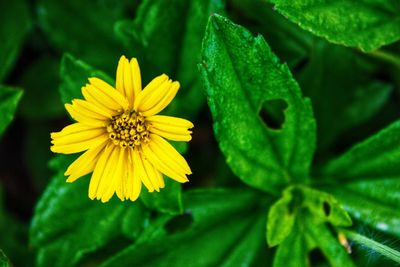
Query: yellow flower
{"type": "Point", "coordinates": [122, 135]}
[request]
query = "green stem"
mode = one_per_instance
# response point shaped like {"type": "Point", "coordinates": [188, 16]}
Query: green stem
{"type": "Point", "coordinates": [386, 56]}
{"type": "Point", "coordinates": [369, 243]}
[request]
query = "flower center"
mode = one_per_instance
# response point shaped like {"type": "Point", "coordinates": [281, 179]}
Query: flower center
{"type": "Point", "coordinates": [128, 129]}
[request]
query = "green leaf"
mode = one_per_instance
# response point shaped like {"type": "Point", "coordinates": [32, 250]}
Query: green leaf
{"type": "Point", "coordinates": [345, 78]}
{"type": "Point", "coordinates": [319, 205]}
{"type": "Point", "coordinates": [4, 261]}
{"type": "Point", "coordinates": [9, 98]}
{"type": "Point", "coordinates": [166, 37]}
{"type": "Point", "coordinates": [67, 225]}
{"type": "Point", "coordinates": [375, 24]}
{"type": "Point", "coordinates": [74, 74]}
{"type": "Point", "coordinates": [34, 105]}
{"type": "Point", "coordinates": [369, 176]}
{"type": "Point", "coordinates": [240, 73]}
{"type": "Point", "coordinates": [169, 199]}
{"type": "Point", "coordinates": [90, 34]}
{"type": "Point", "coordinates": [15, 23]}
{"type": "Point", "coordinates": [193, 238]}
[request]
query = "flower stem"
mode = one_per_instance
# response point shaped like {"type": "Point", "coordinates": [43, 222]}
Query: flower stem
{"type": "Point", "coordinates": [386, 56]}
{"type": "Point", "coordinates": [376, 246]}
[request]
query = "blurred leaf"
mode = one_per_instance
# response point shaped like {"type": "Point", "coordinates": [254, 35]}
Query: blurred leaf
{"type": "Point", "coordinates": [85, 28]}
{"type": "Point", "coordinates": [166, 37]}
{"type": "Point", "coordinates": [240, 73]}
{"type": "Point", "coordinates": [342, 91]}
{"type": "Point", "coordinates": [369, 25]}
{"type": "Point", "coordinates": [41, 100]}
{"type": "Point", "coordinates": [320, 205]}
{"type": "Point", "coordinates": [9, 98]}
{"type": "Point", "coordinates": [4, 261]}
{"type": "Point", "coordinates": [67, 225]}
{"type": "Point", "coordinates": [169, 199]}
{"type": "Point", "coordinates": [369, 176]}
{"type": "Point", "coordinates": [74, 75]}
{"type": "Point", "coordinates": [215, 230]}
{"type": "Point", "coordinates": [288, 41]}
{"type": "Point", "coordinates": [15, 23]}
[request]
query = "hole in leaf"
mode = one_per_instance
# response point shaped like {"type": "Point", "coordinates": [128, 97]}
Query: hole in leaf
{"type": "Point", "coordinates": [316, 257]}
{"type": "Point", "coordinates": [327, 208]}
{"type": "Point", "coordinates": [179, 223]}
{"type": "Point", "coordinates": [272, 113]}
{"type": "Point", "coordinates": [297, 200]}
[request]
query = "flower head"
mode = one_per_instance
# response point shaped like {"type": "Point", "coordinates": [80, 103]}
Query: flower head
{"type": "Point", "coordinates": [122, 135]}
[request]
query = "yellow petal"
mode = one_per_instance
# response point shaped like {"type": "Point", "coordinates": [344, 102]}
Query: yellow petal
{"type": "Point", "coordinates": [162, 100]}
{"type": "Point", "coordinates": [78, 137]}
{"type": "Point", "coordinates": [172, 121]}
{"type": "Point", "coordinates": [140, 172]}
{"type": "Point", "coordinates": [79, 146]}
{"type": "Point", "coordinates": [98, 173]}
{"type": "Point", "coordinates": [154, 175]}
{"type": "Point", "coordinates": [149, 90]}
{"type": "Point", "coordinates": [104, 90]}
{"type": "Point", "coordinates": [133, 182]}
{"type": "Point", "coordinates": [168, 154]}
{"type": "Point", "coordinates": [85, 163]}
{"type": "Point", "coordinates": [170, 127]}
{"type": "Point", "coordinates": [100, 100]}
{"type": "Point", "coordinates": [163, 167]}
{"type": "Point", "coordinates": [108, 183]}
{"type": "Point", "coordinates": [77, 115]}
{"type": "Point", "coordinates": [91, 109]}
{"type": "Point", "coordinates": [129, 81]}
{"type": "Point", "coordinates": [118, 176]}
{"type": "Point", "coordinates": [71, 129]}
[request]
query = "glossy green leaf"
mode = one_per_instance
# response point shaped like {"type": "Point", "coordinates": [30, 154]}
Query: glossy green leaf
{"type": "Point", "coordinates": [240, 73]}
{"type": "Point", "coordinates": [68, 225]}
{"type": "Point", "coordinates": [319, 205]}
{"type": "Point", "coordinates": [4, 261]}
{"type": "Point", "coordinates": [9, 98]}
{"type": "Point", "coordinates": [343, 90]}
{"type": "Point", "coordinates": [369, 174]}
{"type": "Point", "coordinates": [85, 29]}
{"type": "Point", "coordinates": [166, 37]}
{"type": "Point", "coordinates": [74, 74]}
{"type": "Point", "coordinates": [42, 108]}
{"type": "Point", "coordinates": [375, 24]}
{"type": "Point", "coordinates": [15, 24]}
{"type": "Point", "coordinates": [190, 239]}
{"type": "Point", "coordinates": [169, 199]}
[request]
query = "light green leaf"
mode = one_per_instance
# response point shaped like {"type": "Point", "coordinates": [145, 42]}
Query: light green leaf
{"type": "Point", "coordinates": [215, 230]}
{"type": "Point", "coordinates": [169, 199]}
{"type": "Point", "coordinates": [369, 176]}
{"type": "Point", "coordinates": [166, 37]}
{"type": "Point", "coordinates": [67, 225]}
{"type": "Point", "coordinates": [9, 98]}
{"type": "Point", "coordinates": [240, 73]}
{"type": "Point", "coordinates": [15, 23]}
{"type": "Point", "coordinates": [369, 25]}
{"type": "Point", "coordinates": [343, 77]}
{"type": "Point", "coordinates": [319, 205]}
{"type": "Point", "coordinates": [74, 74]}
{"type": "Point", "coordinates": [4, 261]}
{"type": "Point", "coordinates": [85, 29]}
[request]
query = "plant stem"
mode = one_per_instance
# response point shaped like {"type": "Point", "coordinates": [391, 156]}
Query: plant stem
{"type": "Point", "coordinates": [369, 243]}
{"type": "Point", "coordinates": [386, 56]}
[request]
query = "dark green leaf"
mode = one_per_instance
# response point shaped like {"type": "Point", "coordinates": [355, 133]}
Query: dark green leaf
{"type": "Point", "coordinates": [68, 225]}
{"type": "Point", "coordinates": [169, 199]}
{"type": "Point", "coordinates": [369, 174]}
{"type": "Point", "coordinates": [375, 24]}
{"type": "Point", "coordinates": [215, 230]}
{"type": "Point", "coordinates": [166, 37]}
{"type": "Point", "coordinates": [85, 29]}
{"type": "Point", "coordinates": [240, 73]}
{"type": "Point", "coordinates": [343, 92]}
{"type": "Point", "coordinates": [14, 25]}
{"type": "Point", "coordinates": [74, 74]}
{"type": "Point", "coordinates": [9, 98]}
{"type": "Point", "coordinates": [42, 99]}
{"type": "Point", "coordinates": [4, 261]}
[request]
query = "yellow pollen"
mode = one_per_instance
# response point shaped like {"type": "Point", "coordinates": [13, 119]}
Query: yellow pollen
{"type": "Point", "coordinates": [128, 130]}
